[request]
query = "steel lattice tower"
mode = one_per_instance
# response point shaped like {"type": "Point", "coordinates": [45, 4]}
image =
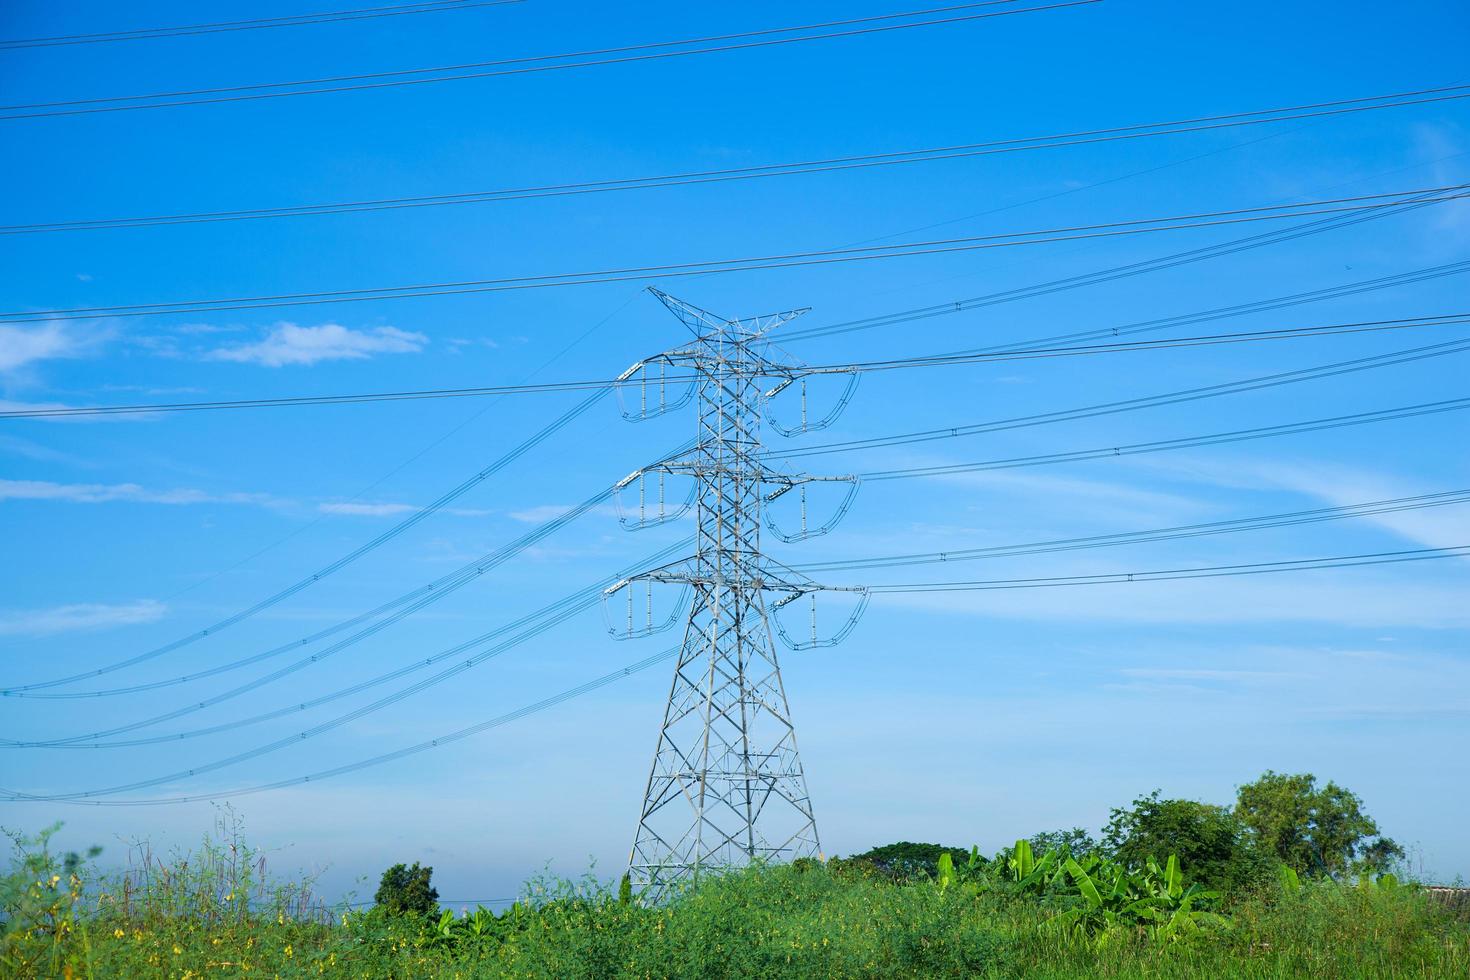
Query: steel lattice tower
{"type": "Point", "coordinates": [726, 785]}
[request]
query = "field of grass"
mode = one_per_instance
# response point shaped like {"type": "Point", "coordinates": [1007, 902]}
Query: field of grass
{"type": "Point", "coordinates": [216, 913]}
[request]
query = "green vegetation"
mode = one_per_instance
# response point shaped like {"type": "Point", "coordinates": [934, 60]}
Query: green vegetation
{"type": "Point", "coordinates": [1311, 830]}
{"type": "Point", "coordinates": [1072, 907]}
{"type": "Point", "coordinates": [406, 891]}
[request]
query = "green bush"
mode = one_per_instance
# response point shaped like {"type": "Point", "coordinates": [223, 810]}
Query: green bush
{"type": "Point", "coordinates": [405, 890]}
{"type": "Point", "coordinates": [1214, 847]}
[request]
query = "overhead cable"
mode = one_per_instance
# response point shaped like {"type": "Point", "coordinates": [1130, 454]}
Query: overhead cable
{"type": "Point", "coordinates": [1186, 442]}
{"type": "Point", "coordinates": [1114, 273]}
{"type": "Point", "coordinates": [93, 797]}
{"type": "Point", "coordinates": [1177, 574]}
{"type": "Point", "coordinates": [652, 51]}
{"type": "Point", "coordinates": [1318, 515]}
{"type": "Point", "coordinates": [856, 367]}
{"type": "Point", "coordinates": [257, 24]}
{"type": "Point", "coordinates": [327, 570]}
{"type": "Point", "coordinates": [1335, 369]}
{"type": "Point", "coordinates": [1358, 205]}
{"type": "Point", "coordinates": [830, 164]}
{"type": "Point", "coordinates": [531, 624]}
{"type": "Point", "coordinates": [455, 736]}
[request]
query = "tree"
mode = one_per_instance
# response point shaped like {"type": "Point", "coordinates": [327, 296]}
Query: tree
{"type": "Point", "coordinates": [907, 860]}
{"type": "Point", "coordinates": [1075, 842]}
{"type": "Point", "coordinates": [1213, 846]}
{"type": "Point", "coordinates": [1313, 831]}
{"type": "Point", "coordinates": [406, 891]}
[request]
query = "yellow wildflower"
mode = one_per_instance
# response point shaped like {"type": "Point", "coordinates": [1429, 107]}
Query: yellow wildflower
{"type": "Point", "coordinates": [118, 934]}
{"type": "Point", "coordinates": [288, 950]}
{"type": "Point", "coordinates": [177, 949]}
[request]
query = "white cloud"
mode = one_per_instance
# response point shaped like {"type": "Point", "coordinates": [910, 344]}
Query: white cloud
{"type": "Point", "coordinates": [99, 493]}
{"type": "Point", "coordinates": [1202, 674]}
{"type": "Point", "coordinates": [550, 512]}
{"type": "Point", "coordinates": [83, 616]}
{"type": "Point", "coordinates": [1441, 143]}
{"type": "Point", "coordinates": [20, 346]}
{"type": "Point", "coordinates": [1340, 486]}
{"type": "Point", "coordinates": [365, 510]}
{"type": "Point", "coordinates": [1342, 597]}
{"type": "Point", "coordinates": [290, 343]}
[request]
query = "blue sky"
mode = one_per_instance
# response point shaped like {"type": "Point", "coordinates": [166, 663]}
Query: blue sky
{"type": "Point", "coordinates": [963, 718]}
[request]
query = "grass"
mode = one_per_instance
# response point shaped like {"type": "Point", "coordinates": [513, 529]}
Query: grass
{"type": "Point", "coordinates": [215, 912]}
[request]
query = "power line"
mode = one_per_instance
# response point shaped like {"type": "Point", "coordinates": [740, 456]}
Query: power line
{"type": "Point", "coordinates": [91, 797]}
{"type": "Point", "coordinates": [599, 388]}
{"type": "Point", "coordinates": [936, 360]}
{"type": "Point", "coordinates": [1354, 205]}
{"type": "Point", "coordinates": [1100, 276]}
{"type": "Point", "coordinates": [391, 613]}
{"type": "Point", "coordinates": [1290, 519]}
{"type": "Point", "coordinates": [406, 462]}
{"type": "Point", "coordinates": [1335, 369]}
{"type": "Point", "coordinates": [528, 65]}
{"type": "Point", "coordinates": [304, 583]}
{"type": "Point", "coordinates": [1186, 442]}
{"type": "Point", "coordinates": [455, 736]}
{"type": "Point", "coordinates": [261, 23]}
{"type": "Point", "coordinates": [532, 624]}
{"type": "Point", "coordinates": [561, 609]}
{"type": "Point", "coordinates": [565, 612]}
{"type": "Point", "coordinates": [1203, 340]}
{"type": "Point", "coordinates": [891, 158]}
{"type": "Point", "coordinates": [1177, 574]}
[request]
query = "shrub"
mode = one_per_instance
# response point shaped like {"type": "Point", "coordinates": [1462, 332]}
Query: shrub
{"type": "Point", "coordinates": [406, 891]}
{"type": "Point", "coordinates": [1213, 846]}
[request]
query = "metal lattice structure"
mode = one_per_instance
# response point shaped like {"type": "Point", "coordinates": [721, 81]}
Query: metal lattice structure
{"type": "Point", "coordinates": [726, 785]}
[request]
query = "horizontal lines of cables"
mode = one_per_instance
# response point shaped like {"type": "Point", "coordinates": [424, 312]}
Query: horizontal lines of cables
{"type": "Point", "coordinates": [254, 24]}
{"type": "Point", "coordinates": [1358, 206]}
{"type": "Point", "coordinates": [826, 165]}
{"type": "Point", "coordinates": [563, 61]}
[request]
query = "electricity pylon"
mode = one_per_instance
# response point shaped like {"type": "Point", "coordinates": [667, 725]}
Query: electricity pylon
{"type": "Point", "coordinates": [726, 786]}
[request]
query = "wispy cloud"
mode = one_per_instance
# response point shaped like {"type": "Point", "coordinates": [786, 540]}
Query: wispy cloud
{"type": "Point", "coordinates": [75, 618]}
{"type": "Point", "coordinates": [1204, 674]}
{"type": "Point", "coordinates": [23, 346]}
{"type": "Point", "coordinates": [542, 513]}
{"type": "Point", "coordinates": [1441, 143]}
{"type": "Point", "coordinates": [100, 493]}
{"type": "Point", "coordinates": [354, 508]}
{"type": "Point", "coordinates": [292, 344]}
{"type": "Point", "coordinates": [1340, 598]}
{"type": "Point", "coordinates": [365, 510]}
{"type": "Point", "coordinates": [1339, 486]}
{"type": "Point", "coordinates": [34, 450]}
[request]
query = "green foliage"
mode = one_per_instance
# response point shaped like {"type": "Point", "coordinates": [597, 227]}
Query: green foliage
{"type": "Point", "coordinates": [1313, 831]}
{"type": "Point", "coordinates": [1032, 916]}
{"type": "Point", "coordinates": [1209, 840]}
{"type": "Point", "coordinates": [406, 891]}
{"type": "Point", "coordinates": [1101, 898]}
{"type": "Point", "coordinates": [1075, 841]}
{"type": "Point", "coordinates": [40, 895]}
{"type": "Point", "coordinates": [906, 860]}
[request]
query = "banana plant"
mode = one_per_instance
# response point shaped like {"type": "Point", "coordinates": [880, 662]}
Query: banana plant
{"type": "Point", "coordinates": [1028, 872]}
{"type": "Point", "coordinates": [1154, 897]}
{"type": "Point", "coordinates": [481, 923]}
